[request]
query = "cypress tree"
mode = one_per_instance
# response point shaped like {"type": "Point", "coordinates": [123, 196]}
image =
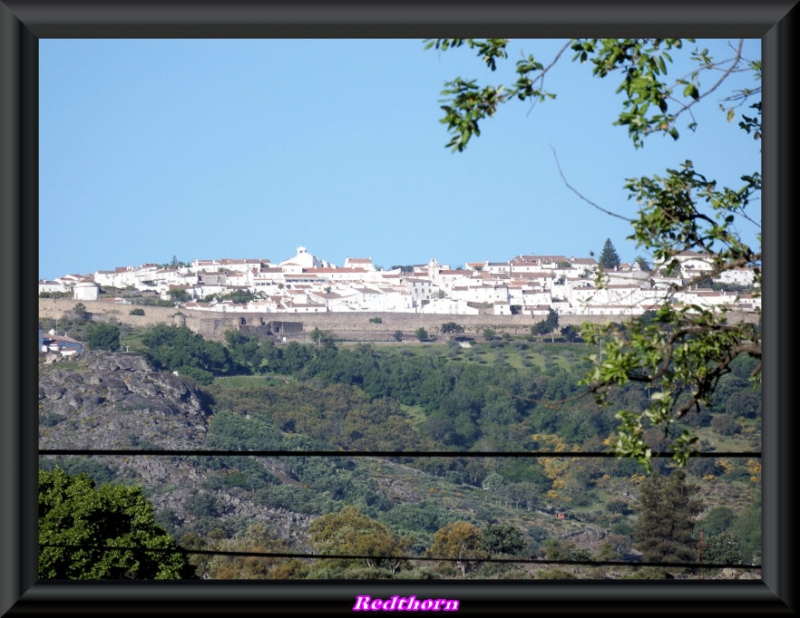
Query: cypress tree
{"type": "Point", "coordinates": [665, 527]}
{"type": "Point", "coordinates": [609, 259]}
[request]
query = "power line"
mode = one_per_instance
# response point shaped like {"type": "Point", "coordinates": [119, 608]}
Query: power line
{"type": "Point", "coordinates": [384, 454]}
{"type": "Point", "coordinates": [246, 554]}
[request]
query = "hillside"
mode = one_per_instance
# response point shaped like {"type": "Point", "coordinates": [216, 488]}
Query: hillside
{"type": "Point", "coordinates": [121, 401]}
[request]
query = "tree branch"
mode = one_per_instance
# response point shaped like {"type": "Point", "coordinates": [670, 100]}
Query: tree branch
{"type": "Point", "coordinates": [580, 195]}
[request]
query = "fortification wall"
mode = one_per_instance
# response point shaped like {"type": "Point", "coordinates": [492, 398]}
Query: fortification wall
{"type": "Point", "coordinates": [347, 326]}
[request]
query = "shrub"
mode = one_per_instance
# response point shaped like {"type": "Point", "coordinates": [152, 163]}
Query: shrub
{"type": "Point", "coordinates": [136, 311]}
{"type": "Point", "coordinates": [103, 336]}
{"type": "Point", "coordinates": [452, 327]}
{"type": "Point", "coordinates": [725, 426]}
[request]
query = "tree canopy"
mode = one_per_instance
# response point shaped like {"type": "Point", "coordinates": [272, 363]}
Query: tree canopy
{"type": "Point", "coordinates": [103, 336]}
{"type": "Point", "coordinates": [351, 532]}
{"type": "Point", "coordinates": [682, 353]}
{"type": "Point", "coordinates": [664, 531]}
{"type": "Point", "coordinates": [460, 540]}
{"type": "Point", "coordinates": [106, 532]}
{"type": "Point", "coordinates": [609, 258]}
{"type": "Point", "coordinates": [177, 348]}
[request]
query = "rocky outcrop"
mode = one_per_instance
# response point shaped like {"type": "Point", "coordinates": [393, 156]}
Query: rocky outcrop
{"type": "Point", "coordinates": [119, 401]}
{"type": "Point", "coordinates": [105, 400]}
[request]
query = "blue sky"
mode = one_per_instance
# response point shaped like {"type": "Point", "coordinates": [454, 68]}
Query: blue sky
{"type": "Point", "coordinates": [204, 149]}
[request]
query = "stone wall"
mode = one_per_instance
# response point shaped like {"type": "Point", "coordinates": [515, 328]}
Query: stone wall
{"type": "Point", "coordinates": [347, 326]}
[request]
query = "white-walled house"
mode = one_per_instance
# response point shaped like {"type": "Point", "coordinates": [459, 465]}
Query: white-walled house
{"type": "Point", "coordinates": [446, 279]}
{"type": "Point", "coordinates": [420, 289]}
{"type": "Point", "coordinates": [51, 286]}
{"type": "Point", "coordinates": [502, 307]}
{"type": "Point", "coordinates": [85, 290]}
{"type": "Point", "coordinates": [244, 265]}
{"type": "Point", "coordinates": [749, 302]}
{"type": "Point", "coordinates": [480, 293]}
{"type": "Point", "coordinates": [534, 298]}
{"type": "Point", "coordinates": [267, 280]}
{"type": "Point", "coordinates": [69, 280]}
{"type": "Point", "coordinates": [237, 279]}
{"type": "Point", "coordinates": [705, 297]}
{"type": "Point", "coordinates": [364, 264]}
{"type": "Point", "coordinates": [497, 268]}
{"type": "Point", "coordinates": [351, 274]}
{"type": "Point", "coordinates": [448, 306]}
{"type": "Point", "coordinates": [737, 276]}
{"type": "Point", "coordinates": [689, 261]}
{"type": "Point", "coordinates": [631, 275]}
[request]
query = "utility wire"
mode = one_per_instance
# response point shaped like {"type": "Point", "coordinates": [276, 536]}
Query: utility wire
{"type": "Point", "coordinates": [706, 565]}
{"type": "Point", "coordinates": [387, 454]}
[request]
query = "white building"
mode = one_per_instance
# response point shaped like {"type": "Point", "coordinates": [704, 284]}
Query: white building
{"type": "Point", "coordinates": [51, 286]}
{"type": "Point", "coordinates": [85, 290]}
{"type": "Point", "coordinates": [448, 306]}
{"type": "Point", "coordinates": [302, 260]}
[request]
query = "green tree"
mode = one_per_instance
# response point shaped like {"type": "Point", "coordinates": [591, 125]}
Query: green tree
{"type": "Point", "coordinates": [609, 258]}
{"type": "Point", "coordinates": [717, 521]}
{"type": "Point", "coordinates": [179, 295]}
{"type": "Point", "coordinates": [421, 334]}
{"type": "Point", "coordinates": [321, 337]}
{"type": "Point", "coordinates": [725, 548]}
{"type": "Point", "coordinates": [238, 296]}
{"type": "Point", "coordinates": [460, 540]}
{"type": "Point", "coordinates": [493, 482]}
{"type": "Point", "coordinates": [257, 538]}
{"type": "Point", "coordinates": [562, 549]}
{"type": "Point", "coordinates": [546, 326]}
{"type": "Point", "coordinates": [747, 529]}
{"type": "Point", "coordinates": [177, 348]}
{"type": "Point", "coordinates": [350, 532]}
{"type": "Point", "coordinates": [79, 314]}
{"type": "Point", "coordinates": [664, 530]}
{"type": "Point", "coordinates": [398, 335]}
{"type": "Point", "coordinates": [725, 425]}
{"type": "Point", "coordinates": [88, 532]}
{"type": "Point", "coordinates": [684, 352]}
{"type": "Point", "coordinates": [743, 404]}
{"type": "Point", "coordinates": [245, 350]}
{"type": "Point", "coordinates": [202, 505]}
{"type": "Point", "coordinates": [502, 539]}
{"type": "Point", "coordinates": [451, 327]}
{"type": "Point", "coordinates": [571, 333]}
{"type": "Point", "coordinates": [103, 336]}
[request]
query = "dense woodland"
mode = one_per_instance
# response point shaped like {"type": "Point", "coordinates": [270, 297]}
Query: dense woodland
{"type": "Point", "coordinates": [520, 395]}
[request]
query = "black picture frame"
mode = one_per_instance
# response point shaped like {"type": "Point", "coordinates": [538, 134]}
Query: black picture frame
{"type": "Point", "coordinates": [23, 23]}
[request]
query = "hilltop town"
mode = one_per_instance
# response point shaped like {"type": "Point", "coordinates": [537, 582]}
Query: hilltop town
{"type": "Point", "coordinates": [529, 285]}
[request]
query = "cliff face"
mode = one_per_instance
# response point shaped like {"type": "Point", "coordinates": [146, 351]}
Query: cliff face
{"type": "Point", "coordinates": [103, 400]}
{"type": "Point", "coordinates": [106, 400]}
